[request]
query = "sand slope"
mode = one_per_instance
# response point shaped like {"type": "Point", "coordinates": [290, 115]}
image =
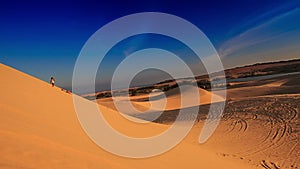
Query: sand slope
{"type": "Point", "coordinates": [171, 100]}
{"type": "Point", "coordinates": [39, 129]}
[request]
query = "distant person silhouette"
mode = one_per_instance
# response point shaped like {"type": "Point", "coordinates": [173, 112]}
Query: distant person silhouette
{"type": "Point", "coordinates": [52, 81]}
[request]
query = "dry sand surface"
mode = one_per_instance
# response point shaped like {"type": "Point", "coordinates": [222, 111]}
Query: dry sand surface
{"type": "Point", "coordinates": [260, 123]}
{"type": "Point", "coordinates": [39, 129]}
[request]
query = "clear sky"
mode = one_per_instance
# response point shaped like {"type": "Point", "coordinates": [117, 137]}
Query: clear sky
{"type": "Point", "coordinates": [44, 38]}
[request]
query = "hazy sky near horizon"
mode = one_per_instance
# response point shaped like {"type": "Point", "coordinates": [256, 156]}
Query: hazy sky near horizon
{"type": "Point", "coordinates": [44, 38]}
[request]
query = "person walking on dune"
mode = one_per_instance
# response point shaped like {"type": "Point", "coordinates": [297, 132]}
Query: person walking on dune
{"type": "Point", "coordinates": [52, 81]}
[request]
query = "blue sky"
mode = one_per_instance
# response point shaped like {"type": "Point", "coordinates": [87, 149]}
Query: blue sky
{"type": "Point", "coordinates": [44, 38]}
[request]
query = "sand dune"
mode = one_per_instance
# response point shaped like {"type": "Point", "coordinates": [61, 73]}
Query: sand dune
{"type": "Point", "coordinates": [39, 129]}
{"type": "Point", "coordinates": [174, 99]}
{"type": "Point", "coordinates": [171, 100]}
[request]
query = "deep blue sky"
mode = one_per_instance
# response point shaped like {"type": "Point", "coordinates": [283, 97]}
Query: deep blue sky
{"type": "Point", "coordinates": [44, 38]}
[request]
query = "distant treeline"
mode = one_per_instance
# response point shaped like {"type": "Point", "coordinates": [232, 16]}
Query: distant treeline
{"type": "Point", "coordinates": [169, 85]}
{"type": "Point", "coordinates": [261, 69]}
